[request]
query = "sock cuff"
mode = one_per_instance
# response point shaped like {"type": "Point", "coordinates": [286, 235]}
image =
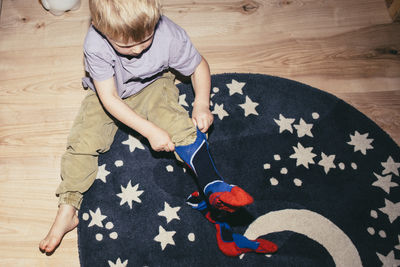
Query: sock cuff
{"type": "Point", "coordinates": [187, 153]}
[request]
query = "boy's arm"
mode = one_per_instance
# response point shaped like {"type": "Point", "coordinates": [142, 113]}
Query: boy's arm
{"type": "Point", "coordinates": [201, 81]}
{"type": "Point", "coordinates": [158, 138]}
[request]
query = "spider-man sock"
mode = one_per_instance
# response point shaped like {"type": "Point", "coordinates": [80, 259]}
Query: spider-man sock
{"type": "Point", "coordinates": [230, 243]}
{"type": "Point", "coordinates": [219, 194]}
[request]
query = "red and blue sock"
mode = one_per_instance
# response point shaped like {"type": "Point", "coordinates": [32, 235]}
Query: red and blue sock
{"type": "Point", "coordinates": [230, 243]}
{"type": "Point", "coordinates": [220, 195]}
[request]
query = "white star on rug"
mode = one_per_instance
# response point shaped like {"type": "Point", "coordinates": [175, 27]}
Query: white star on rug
{"type": "Point", "coordinates": [391, 166]}
{"type": "Point", "coordinates": [235, 87]}
{"type": "Point", "coordinates": [219, 110]}
{"type": "Point", "coordinates": [169, 213]}
{"type": "Point", "coordinates": [133, 143]}
{"type": "Point", "coordinates": [392, 210]}
{"type": "Point", "coordinates": [169, 168]}
{"type": "Point", "coordinates": [129, 194]}
{"type": "Point", "coordinates": [249, 107]}
{"type": "Point", "coordinates": [102, 173]}
{"type": "Point", "coordinates": [303, 128]}
{"type": "Point", "coordinates": [327, 162]}
{"type": "Point", "coordinates": [97, 218]}
{"type": "Point", "coordinates": [388, 260]}
{"type": "Point", "coordinates": [384, 182]}
{"type": "Point", "coordinates": [164, 237]}
{"type": "Point", "coordinates": [360, 142]}
{"type": "Point", "coordinates": [285, 124]}
{"type": "Point", "coordinates": [303, 155]}
{"type": "Point", "coordinates": [118, 263]}
{"type": "Point", "coordinates": [182, 100]}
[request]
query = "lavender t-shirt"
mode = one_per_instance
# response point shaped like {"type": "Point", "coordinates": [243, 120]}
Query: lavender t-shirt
{"type": "Point", "coordinates": [171, 48]}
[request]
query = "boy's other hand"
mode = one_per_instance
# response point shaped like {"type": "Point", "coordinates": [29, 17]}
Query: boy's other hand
{"type": "Point", "coordinates": [202, 117]}
{"type": "Point", "coordinates": [160, 140]}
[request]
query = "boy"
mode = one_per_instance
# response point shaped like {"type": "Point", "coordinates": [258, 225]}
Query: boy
{"type": "Point", "coordinates": [128, 50]}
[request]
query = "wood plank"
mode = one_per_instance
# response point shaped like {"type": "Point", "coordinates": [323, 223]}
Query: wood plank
{"type": "Point", "coordinates": [347, 48]}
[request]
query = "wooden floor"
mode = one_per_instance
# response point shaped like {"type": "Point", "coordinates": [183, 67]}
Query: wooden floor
{"type": "Point", "coordinates": [347, 48]}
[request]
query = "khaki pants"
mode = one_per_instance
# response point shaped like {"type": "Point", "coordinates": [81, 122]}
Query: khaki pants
{"type": "Point", "coordinates": [93, 132]}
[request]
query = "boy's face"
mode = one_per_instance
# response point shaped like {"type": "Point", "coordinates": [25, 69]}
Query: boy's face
{"type": "Point", "coordinates": [132, 48]}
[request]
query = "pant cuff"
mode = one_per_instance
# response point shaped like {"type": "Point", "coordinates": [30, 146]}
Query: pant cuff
{"type": "Point", "coordinates": [71, 198]}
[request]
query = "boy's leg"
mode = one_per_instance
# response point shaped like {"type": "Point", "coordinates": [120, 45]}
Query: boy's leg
{"type": "Point", "coordinates": [219, 194]}
{"type": "Point", "coordinates": [159, 104]}
{"type": "Point", "coordinates": [92, 133]}
{"type": "Point", "coordinates": [230, 243]}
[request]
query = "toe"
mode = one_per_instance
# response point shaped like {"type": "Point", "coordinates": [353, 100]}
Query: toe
{"type": "Point", "coordinates": [52, 244]}
{"type": "Point", "coordinates": [43, 244]}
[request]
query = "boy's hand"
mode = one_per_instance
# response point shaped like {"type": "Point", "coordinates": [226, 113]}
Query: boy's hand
{"type": "Point", "coordinates": [160, 140]}
{"type": "Point", "coordinates": [202, 117]}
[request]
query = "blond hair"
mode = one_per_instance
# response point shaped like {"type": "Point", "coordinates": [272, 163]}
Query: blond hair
{"type": "Point", "coordinates": [125, 20]}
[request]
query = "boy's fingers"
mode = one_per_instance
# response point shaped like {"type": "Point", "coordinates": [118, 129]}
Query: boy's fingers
{"type": "Point", "coordinates": [211, 120]}
{"type": "Point", "coordinates": [171, 146]}
{"type": "Point", "coordinates": [203, 124]}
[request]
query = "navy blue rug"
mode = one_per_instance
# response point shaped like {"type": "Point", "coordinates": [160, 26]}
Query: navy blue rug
{"type": "Point", "coordinates": [324, 178]}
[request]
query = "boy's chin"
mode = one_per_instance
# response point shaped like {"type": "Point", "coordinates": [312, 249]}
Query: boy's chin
{"type": "Point", "coordinates": [130, 56]}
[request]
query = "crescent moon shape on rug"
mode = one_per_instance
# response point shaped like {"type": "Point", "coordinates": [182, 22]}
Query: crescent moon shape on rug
{"type": "Point", "coordinates": [312, 225]}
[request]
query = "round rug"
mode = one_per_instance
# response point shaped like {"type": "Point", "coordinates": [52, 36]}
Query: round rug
{"type": "Point", "coordinates": [325, 180]}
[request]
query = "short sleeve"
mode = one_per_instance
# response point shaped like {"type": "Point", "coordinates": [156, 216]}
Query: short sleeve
{"type": "Point", "coordinates": [184, 57]}
{"type": "Point", "coordinates": [98, 66]}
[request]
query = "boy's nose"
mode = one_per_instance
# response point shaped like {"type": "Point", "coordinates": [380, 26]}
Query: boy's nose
{"type": "Point", "coordinates": [137, 50]}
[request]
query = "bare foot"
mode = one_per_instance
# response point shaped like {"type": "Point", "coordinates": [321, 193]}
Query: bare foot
{"type": "Point", "coordinates": [65, 221]}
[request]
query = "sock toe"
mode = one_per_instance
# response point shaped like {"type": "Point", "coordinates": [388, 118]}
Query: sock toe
{"type": "Point", "coordinates": [266, 246]}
